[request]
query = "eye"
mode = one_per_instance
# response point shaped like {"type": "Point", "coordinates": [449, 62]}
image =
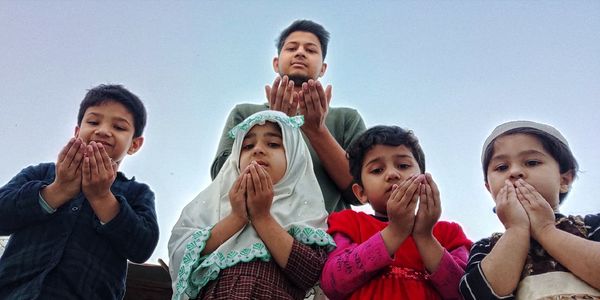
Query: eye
{"type": "Point", "coordinates": [404, 166]}
{"type": "Point", "coordinates": [120, 128]}
{"type": "Point", "coordinates": [274, 145]}
{"type": "Point", "coordinates": [532, 162]}
{"type": "Point", "coordinates": [290, 48]}
{"type": "Point", "coordinates": [92, 122]}
{"type": "Point", "coordinates": [247, 146]}
{"type": "Point", "coordinates": [501, 168]}
{"type": "Point", "coordinates": [376, 171]}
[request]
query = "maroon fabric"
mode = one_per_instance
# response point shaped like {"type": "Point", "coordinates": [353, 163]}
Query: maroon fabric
{"type": "Point", "coordinates": [266, 280]}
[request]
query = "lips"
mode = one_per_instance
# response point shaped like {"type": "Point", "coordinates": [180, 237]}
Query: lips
{"type": "Point", "coordinates": [298, 64]}
{"type": "Point", "coordinates": [104, 143]}
{"type": "Point", "coordinates": [262, 163]}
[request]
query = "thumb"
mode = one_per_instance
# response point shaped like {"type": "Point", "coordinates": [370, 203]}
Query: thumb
{"type": "Point", "coordinates": [328, 93]}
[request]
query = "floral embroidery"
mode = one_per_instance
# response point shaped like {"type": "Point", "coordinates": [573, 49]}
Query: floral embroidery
{"type": "Point", "coordinates": [196, 270]}
{"type": "Point", "coordinates": [292, 122]}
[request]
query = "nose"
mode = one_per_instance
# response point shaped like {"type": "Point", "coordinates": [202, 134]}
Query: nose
{"type": "Point", "coordinates": [516, 172]}
{"type": "Point", "coordinates": [300, 52]}
{"type": "Point", "coordinates": [392, 175]}
{"type": "Point", "coordinates": [103, 130]}
{"type": "Point", "coordinates": [259, 149]}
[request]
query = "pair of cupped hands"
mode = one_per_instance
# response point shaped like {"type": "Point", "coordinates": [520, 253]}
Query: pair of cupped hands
{"type": "Point", "coordinates": [86, 168]}
{"type": "Point", "coordinates": [418, 192]}
{"type": "Point", "coordinates": [520, 206]}
{"type": "Point", "coordinates": [252, 193]}
{"type": "Point", "coordinates": [311, 101]}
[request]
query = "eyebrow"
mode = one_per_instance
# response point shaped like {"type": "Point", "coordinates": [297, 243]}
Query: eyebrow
{"type": "Point", "coordinates": [396, 156]}
{"type": "Point", "coordinates": [295, 43]}
{"type": "Point", "coordinates": [119, 119]}
{"type": "Point", "coordinates": [268, 134]}
{"type": "Point", "coordinates": [526, 152]}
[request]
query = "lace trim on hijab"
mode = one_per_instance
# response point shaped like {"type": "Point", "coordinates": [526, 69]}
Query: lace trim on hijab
{"type": "Point", "coordinates": [293, 122]}
{"type": "Point", "coordinates": [196, 270]}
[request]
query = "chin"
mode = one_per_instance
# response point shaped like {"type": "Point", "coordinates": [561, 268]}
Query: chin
{"type": "Point", "coordinates": [298, 79]}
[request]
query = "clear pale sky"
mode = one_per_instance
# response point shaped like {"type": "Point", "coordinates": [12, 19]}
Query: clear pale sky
{"type": "Point", "coordinates": [449, 70]}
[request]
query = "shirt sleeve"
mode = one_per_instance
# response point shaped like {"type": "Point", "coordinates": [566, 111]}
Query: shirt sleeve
{"type": "Point", "coordinates": [134, 230]}
{"type": "Point", "coordinates": [474, 285]}
{"type": "Point", "coordinates": [449, 272]}
{"type": "Point", "coordinates": [305, 264]}
{"type": "Point", "coordinates": [593, 223]}
{"type": "Point", "coordinates": [351, 265]}
{"type": "Point", "coordinates": [225, 143]}
{"type": "Point", "coordinates": [20, 199]}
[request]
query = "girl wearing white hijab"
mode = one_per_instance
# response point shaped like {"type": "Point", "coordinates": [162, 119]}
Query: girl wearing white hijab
{"type": "Point", "coordinates": [258, 231]}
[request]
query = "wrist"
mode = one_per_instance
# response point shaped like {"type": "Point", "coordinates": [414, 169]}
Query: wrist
{"type": "Point", "coordinates": [315, 132]}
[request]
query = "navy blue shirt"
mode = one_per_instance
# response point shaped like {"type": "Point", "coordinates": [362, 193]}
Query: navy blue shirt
{"type": "Point", "coordinates": [69, 254]}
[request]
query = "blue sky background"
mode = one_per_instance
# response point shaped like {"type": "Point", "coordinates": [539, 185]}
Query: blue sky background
{"type": "Point", "coordinates": [449, 70]}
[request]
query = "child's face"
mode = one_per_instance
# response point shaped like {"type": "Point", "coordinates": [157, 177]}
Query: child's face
{"type": "Point", "coordinates": [383, 166]}
{"type": "Point", "coordinates": [110, 124]}
{"type": "Point", "coordinates": [300, 56]}
{"type": "Point", "coordinates": [264, 144]}
{"type": "Point", "coordinates": [523, 156]}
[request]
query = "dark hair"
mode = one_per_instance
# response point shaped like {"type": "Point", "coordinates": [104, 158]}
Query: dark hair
{"type": "Point", "coordinates": [557, 149]}
{"type": "Point", "coordinates": [117, 93]}
{"type": "Point", "coordinates": [307, 26]}
{"type": "Point", "coordinates": [382, 135]}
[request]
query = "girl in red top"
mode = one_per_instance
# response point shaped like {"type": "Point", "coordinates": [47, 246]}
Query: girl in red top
{"type": "Point", "coordinates": [395, 253]}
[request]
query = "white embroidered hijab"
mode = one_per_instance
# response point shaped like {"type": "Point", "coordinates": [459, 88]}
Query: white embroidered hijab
{"type": "Point", "coordinates": [297, 206]}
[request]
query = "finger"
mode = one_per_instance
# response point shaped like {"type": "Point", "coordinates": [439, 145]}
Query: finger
{"type": "Point", "coordinates": [268, 93]}
{"type": "Point", "coordinates": [255, 177]}
{"type": "Point", "coordinates": [424, 201]}
{"type": "Point", "coordinates": [287, 97]}
{"type": "Point", "coordinates": [411, 195]}
{"type": "Point", "coordinates": [433, 190]}
{"type": "Point", "coordinates": [86, 171]}
{"type": "Point", "coordinates": [273, 91]}
{"type": "Point", "coordinates": [301, 103]}
{"type": "Point", "coordinates": [92, 160]}
{"type": "Point", "coordinates": [314, 94]}
{"type": "Point", "coordinates": [280, 91]}
{"type": "Point", "coordinates": [78, 159]}
{"type": "Point", "coordinates": [295, 102]}
{"type": "Point", "coordinates": [249, 186]}
{"type": "Point", "coordinates": [70, 156]}
{"type": "Point", "coordinates": [106, 160]}
{"type": "Point", "coordinates": [307, 99]}
{"type": "Point", "coordinates": [532, 190]}
{"type": "Point", "coordinates": [63, 153]}
{"type": "Point", "coordinates": [98, 157]}
{"type": "Point", "coordinates": [328, 94]}
{"type": "Point", "coordinates": [322, 95]}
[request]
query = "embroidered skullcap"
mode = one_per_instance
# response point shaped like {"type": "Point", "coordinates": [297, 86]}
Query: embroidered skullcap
{"type": "Point", "coordinates": [503, 128]}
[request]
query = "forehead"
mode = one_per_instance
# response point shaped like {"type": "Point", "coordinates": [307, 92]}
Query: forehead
{"type": "Point", "coordinates": [387, 152]}
{"type": "Point", "coordinates": [267, 128]}
{"type": "Point", "coordinates": [514, 144]}
{"type": "Point", "coordinates": [302, 37]}
{"type": "Point", "coordinates": [110, 108]}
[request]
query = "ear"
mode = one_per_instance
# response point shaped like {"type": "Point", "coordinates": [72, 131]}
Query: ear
{"type": "Point", "coordinates": [136, 144]}
{"type": "Point", "coordinates": [323, 69]}
{"type": "Point", "coordinates": [487, 187]}
{"type": "Point", "coordinates": [76, 131]}
{"type": "Point", "coordinates": [276, 64]}
{"type": "Point", "coordinates": [566, 179]}
{"type": "Point", "coordinates": [359, 192]}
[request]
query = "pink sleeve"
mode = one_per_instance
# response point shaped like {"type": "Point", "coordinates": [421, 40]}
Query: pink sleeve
{"type": "Point", "coordinates": [447, 276]}
{"type": "Point", "coordinates": [351, 265]}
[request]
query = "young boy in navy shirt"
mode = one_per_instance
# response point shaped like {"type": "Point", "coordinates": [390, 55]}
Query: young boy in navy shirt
{"type": "Point", "coordinates": [75, 223]}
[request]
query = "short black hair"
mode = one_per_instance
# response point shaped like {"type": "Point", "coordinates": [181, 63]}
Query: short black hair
{"type": "Point", "coordinates": [117, 93]}
{"type": "Point", "coordinates": [306, 26]}
{"type": "Point", "coordinates": [557, 149]}
{"type": "Point", "coordinates": [382, 135]}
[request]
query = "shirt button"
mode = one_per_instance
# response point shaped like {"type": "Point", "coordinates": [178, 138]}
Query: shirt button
{"type": "Point", "coordinates": [74, 208]}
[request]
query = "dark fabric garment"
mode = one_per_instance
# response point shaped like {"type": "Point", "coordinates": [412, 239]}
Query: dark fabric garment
{"type": "Point", "coordinates": [266, 280]}
{"type": "Point", "coordinates": [473, 285]}
{"type": "Point", "coordinates": [69, 254]}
